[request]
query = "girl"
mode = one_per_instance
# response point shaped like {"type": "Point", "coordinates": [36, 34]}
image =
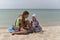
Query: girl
{"type": "Point", "coordinates": [35, 24]}
{"type": "Point", "coordinates": [20, 24]}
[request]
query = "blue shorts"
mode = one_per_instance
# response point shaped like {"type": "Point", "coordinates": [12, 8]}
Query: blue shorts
{"type": "Point", "coordinates": [37, 29]}
{"type": "Point", "coordinates": [29, 31]}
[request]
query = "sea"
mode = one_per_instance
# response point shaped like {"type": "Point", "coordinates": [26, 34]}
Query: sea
{"type": "Point", "coordinates": [46, 17]}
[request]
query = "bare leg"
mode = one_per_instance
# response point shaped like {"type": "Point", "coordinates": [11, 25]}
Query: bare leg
{"type": "Point", "coordinates": [22, 31]}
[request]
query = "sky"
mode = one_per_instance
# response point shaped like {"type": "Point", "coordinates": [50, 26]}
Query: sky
{"type": "Point", "coordinates": [29, 4]}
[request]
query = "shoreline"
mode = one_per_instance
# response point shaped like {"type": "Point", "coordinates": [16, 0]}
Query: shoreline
{"type": "Point", "coordinates": [41, 25]}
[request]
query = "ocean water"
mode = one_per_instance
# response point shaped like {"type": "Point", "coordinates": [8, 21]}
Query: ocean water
{"type": "Point", "coordinates": [46, 17]}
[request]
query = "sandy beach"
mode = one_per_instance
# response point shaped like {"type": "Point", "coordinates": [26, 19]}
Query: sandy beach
{"type": "Point", "coordinates": [50, 33]}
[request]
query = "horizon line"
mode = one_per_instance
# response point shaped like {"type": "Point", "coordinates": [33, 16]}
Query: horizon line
{"type": "Point", "coordinates": [22, 9]}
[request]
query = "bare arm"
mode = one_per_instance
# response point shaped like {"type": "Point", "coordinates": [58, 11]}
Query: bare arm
{"type": "Point", "coordinates": [39, 25]}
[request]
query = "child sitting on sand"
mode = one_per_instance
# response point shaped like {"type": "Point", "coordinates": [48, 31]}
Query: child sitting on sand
{"type": "Point", "coordinates": [35, 24]}
{"type": "Point", "coordinates": [20, 24]}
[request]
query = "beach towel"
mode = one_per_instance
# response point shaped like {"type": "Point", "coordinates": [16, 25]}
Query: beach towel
{"type": "Point", "coordinates": [11, 29]}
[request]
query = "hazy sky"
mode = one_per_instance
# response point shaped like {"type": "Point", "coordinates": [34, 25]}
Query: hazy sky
{"type": "Point", "coordinates": [33, 4]}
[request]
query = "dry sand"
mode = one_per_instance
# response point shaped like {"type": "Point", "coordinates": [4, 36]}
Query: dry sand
{"type": "Point", "coordinates": [51, 33]}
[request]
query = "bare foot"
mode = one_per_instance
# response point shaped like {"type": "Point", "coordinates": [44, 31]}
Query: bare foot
{"type": "Point", "coordinates": [13, 33]}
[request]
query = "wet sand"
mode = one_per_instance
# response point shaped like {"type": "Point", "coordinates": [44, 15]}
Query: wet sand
{"type": "Point", "coordinates": [50, 33]}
